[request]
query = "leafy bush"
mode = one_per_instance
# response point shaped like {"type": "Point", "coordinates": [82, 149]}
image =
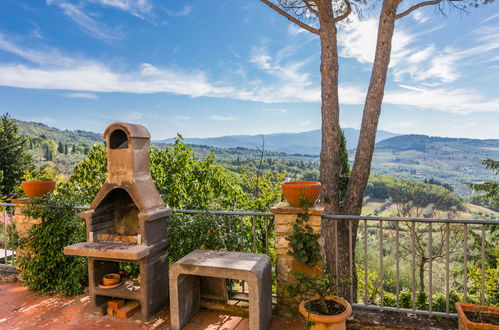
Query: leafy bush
{"type": "Point", "coordinates": [389, 299]}
{"type": "Point", "coordinates": [405, 299]}
{"type": "Point", "coordinates": [44, 267]}
{"type": "Point", "coordinates": [182, 181]}
{"type": "Point", "coordinates": [40, 174]}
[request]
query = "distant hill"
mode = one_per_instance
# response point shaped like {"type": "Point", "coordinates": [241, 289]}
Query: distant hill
{"type": "Point", "coordinates": [292, 143]}
{"type": "Point", "coordinates": [65, 136]}
{"type": "Point", "coordinates": [450, 160]}
{"type": "Point", "coordinates": [418, 157]}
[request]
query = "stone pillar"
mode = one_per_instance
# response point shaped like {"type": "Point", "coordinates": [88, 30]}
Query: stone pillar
{"type": "Point", "coordinates": [286, 265]}
{"type": "Point", "coordinates": [23, 223]}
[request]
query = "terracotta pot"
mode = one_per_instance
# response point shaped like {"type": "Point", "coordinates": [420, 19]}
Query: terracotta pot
{"type": "Point", "coordinates": [329, 322]}
{"type": "Point", "coordinates": [465, 323]}
{"type": "Point", "coordinates": [111, 279]}
{"type": "Point", "coordinates": [37, 188]}
{"type": "Point", "coordinates": [294, 189]}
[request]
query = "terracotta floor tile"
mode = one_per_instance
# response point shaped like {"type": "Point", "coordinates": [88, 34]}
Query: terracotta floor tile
{"type": "Point", "coordinates": [23, 309]}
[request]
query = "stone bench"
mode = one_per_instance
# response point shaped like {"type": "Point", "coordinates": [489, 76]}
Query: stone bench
{"type": "Point", "coordinates": [255, 269]}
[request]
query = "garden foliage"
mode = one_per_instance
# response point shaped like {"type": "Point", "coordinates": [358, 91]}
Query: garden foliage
{"type": "Point", "coordinates": [182, 181]}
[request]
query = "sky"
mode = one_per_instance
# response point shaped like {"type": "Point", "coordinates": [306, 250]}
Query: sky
{"type": "Point", "coordinates": [206, 68]}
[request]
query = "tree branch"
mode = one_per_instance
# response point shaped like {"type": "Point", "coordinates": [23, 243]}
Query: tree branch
{"type": "Point", "coordinates": [345, 14]}
{"type": "Point", "coordinates": [310, 7]}
{"type": "Point", "coordinates": [289, 17]}
{"type": "Point", "coordinates": [416, 6]}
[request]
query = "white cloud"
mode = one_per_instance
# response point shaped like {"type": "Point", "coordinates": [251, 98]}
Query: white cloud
{"type": "Point", "coordinates": [294, 30]}
{"type": "Point", "coordinates": [222, 118]}
{"type": "Point", "coordinates": [135, 7]}
{"type": "Point", "coordinates": [458, 101]}
{"type": "Point", "coordinates": [82, 95]}
{"type": "Point", "coordinates": [54, 70]}
{"type": "Point", "coordinates": [419, 16]}
{"type": "Point", "coordinates": [186, 10]}
{"type": "Point", "coordinates": [86, 23]}
{"type": "Point", "coordinates": [49, 57]}
{"type": "Point", "coordinates": [490, 18]}
{"type": "Point", "coordinates": [278, 112]}
{"type": "Point", "coordinates": [357, 40]}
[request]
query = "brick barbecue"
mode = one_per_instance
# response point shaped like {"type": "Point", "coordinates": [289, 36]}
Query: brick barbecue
{"type": "Point", "coordinates": [127, 223]}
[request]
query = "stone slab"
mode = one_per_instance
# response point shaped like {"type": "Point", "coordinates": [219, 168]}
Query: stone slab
{"type": "Point", "coordinates": [285, 208]}
{"type": "Point", "coordinates": [253, 268]}
{"type": "Point", "coordinates": [95, 250]}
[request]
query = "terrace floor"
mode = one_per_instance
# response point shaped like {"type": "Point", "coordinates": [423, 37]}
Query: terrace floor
{"type": "Point", "coordinates": [23, 309]}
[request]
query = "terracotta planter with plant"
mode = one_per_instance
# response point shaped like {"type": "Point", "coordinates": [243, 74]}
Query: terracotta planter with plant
{"type": "Point", "coordinates": [477, 317]}
{"type": "Point", "coordinates": [315, 287]}
{"type": "Point", "coordinates": [294, 189]}
{"type": "Point", "coordinates": [38, 182]}
{"type": "Point", "coordinates": [319, 306]}
{"type": "Point", "coordinates": [321, 321]}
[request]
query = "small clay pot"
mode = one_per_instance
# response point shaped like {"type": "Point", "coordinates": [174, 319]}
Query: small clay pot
{"type": "Point", "coordinates": [111, 279]}
{"type": "Point", "coordinates": [37, 188]}
{"type": "Point", "coordinates": [328, 322]}
{"type": "Point", "coordinates": [294, 189]}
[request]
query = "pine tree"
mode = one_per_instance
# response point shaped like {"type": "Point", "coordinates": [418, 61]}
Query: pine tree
{"type": "Point", "coordinates": [15, 157]}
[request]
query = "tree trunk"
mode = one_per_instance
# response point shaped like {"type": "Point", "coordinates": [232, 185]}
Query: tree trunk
{"type": "Point", "coordinates": [330, 150]}
{"type": "Point", "coordinates": [372, 109]}
{"type": "Point", "coordinates": [421, 275]}
{"type": "Point", "coordinates": [365, 147]}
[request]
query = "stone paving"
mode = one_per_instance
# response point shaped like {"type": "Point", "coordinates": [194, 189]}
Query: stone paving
{"type": "Point", "coordinates": [23, 309]}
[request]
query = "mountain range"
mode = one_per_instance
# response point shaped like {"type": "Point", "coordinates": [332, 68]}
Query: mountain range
{"type": "Point", "coordinates": [292, 143]}
{"type": "Point", "coordinates": [419, 157]}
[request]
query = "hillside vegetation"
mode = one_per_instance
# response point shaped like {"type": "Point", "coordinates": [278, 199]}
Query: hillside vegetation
{"type": "Point", "coordinates": [417, 157]}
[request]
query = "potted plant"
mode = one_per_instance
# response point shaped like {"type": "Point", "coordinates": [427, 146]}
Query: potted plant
{"type": "Point", "coordinates": [477, 317]}
{"type": "Point", "coordinates": [320, 307]}
{"type": "Point", "coordinates": [38, 182]}
{"type": "Point", "coordinates": [292, 191]}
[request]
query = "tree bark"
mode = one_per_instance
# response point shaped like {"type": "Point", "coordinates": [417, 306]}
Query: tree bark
{"type": "Point", "coordinates": [421, 275]}
{"type": "Point", "coordinates": [365, 147]}
{"type": "Point", "coordinates": [330, 149]}
{"type": "Point", "coordinates": [372, 109]}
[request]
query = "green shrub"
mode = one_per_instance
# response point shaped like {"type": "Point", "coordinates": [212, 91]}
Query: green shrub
{"type": "Point", "coordinates": [405, 299]}
{"type": "Point", "coordinates": [422, 301]}
{"type": "Point", "coordinates": [44, 267]}
{"type": "Point", "coordinates": [182, 181]}
{"type": "Point", "coordinates": [389, 299]}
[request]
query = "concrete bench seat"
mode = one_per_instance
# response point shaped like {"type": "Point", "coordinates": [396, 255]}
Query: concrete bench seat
{"type": "Point", "coordinates": [254, 269]}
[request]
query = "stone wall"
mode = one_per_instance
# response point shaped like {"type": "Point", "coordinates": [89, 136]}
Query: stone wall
{"type": "Point", "coordinates": [23, 223]}
{"type": "Point", "coordinates": [286, 265]}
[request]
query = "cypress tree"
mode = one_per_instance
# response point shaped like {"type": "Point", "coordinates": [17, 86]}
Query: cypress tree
{"type": "Point", "coordinates": [15, 157]}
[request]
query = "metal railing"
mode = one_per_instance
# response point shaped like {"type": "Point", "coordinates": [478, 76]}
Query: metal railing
{"type": "Point", "coordinates": [427, 240]}
{"type": "Point", "coordinates": [6, 219]}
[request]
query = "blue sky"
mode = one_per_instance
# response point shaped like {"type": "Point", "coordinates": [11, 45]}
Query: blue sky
{"type": "Point", "coordinates": [221, 67]}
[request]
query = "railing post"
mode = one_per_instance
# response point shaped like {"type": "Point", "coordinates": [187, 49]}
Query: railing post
{"type": "Point", "coordinates": [23, 222]}
{"type": "Point", "coordinates": [287, 265]}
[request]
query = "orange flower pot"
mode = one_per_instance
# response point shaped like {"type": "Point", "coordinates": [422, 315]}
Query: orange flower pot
{"type": "Point", "coordinates": [465, 323]}
{"type": "Point", "coordinates": [37, 188]}
{"type": "Point", "coordinates": [328, 322]}
{"type": "Point", "coordinates": [294, 189]}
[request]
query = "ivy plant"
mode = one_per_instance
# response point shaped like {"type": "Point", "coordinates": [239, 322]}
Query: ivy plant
{"type": "Point", "coordinates": [303, 242]}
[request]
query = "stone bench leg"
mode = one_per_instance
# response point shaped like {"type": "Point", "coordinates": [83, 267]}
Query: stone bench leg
{"type": "Point", "coordinates": [260, 300]}
{"type": "Point", "coordinates": [185, 305]}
